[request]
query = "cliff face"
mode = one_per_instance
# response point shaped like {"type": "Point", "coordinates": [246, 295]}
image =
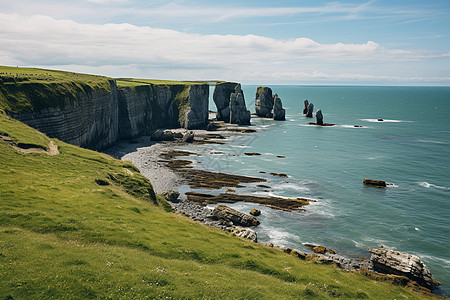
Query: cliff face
{"type": "Point", "coordinates": [91, 121]}
{"type": "Point", "coordinates": [98, 117]}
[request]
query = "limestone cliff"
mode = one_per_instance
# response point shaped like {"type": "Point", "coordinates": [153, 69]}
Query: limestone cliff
{"type": "Point", "coordinates": [94, 112]}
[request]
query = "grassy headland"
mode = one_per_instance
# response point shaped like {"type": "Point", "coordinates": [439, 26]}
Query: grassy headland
{"type": "Point", "coordinates": [81, 225]}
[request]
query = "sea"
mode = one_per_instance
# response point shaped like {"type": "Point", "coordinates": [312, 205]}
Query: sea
{"type": "Point", "coordinates": [409, 149]}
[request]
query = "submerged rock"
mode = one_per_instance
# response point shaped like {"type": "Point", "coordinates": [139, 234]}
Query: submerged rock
{"type": "Point", "coordinates": [236, 217]}
{"type": "Point", "coordinates": [239, 114]}
{"type": "Point", "coordinates": [278, 111]}
{"type": "Point", "coordinates": [403, 264]}
{"type": "Point", "coordinates": [309, 113]}
{"type": "Point", "coordinates": [319, 117]}
{"type": "Point", "coordinates": [264, 102]}
{"type": "Point", "coordinates": [305, 108]}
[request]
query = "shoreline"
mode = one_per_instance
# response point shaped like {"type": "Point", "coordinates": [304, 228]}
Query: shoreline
{"type": "Point", "coordinates": [157, 160]}
{"type": "Point", "coordinates": [153, 159]}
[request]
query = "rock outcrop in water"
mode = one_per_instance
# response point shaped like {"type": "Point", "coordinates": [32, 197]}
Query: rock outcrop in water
{"type": "Point", "coordinates": [309, 113]}
{"type": "Point", "coordinates": [98, 118]}
{"type": "Point", "coordinates": [305, 108]}
{"type": "Point", "coordinates": [319, 117]}
{"type": "Point", "coordinates": [239, 114]}
{"type": "Point", "coordinates": [230, 103]}
{"type": "Point", "coordinates": [403, 264]}
{"type": "Point", "coordinates": [264, 102]}
{"type": "Point", "coordinates": [279, 112]}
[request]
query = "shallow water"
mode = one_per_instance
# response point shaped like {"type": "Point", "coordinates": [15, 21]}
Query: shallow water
{"type": "Point", "coordinates": [410, 149]}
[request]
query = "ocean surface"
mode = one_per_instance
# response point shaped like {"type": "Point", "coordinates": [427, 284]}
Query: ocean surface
{"type": "Point", "coordinates": [409, 149]}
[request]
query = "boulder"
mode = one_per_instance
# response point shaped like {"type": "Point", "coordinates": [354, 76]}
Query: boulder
{"type": "Point", "coordinates": [278, 111]}
{"type": "Point", "coordinates": [245, 233]}
{"type": "Point", "coordinates": [188, 137]}
{"type": "Point", "coordinates": [171, 196]}
{"type": "Point", "coordinates": [236, 217]}
{"type": "Point", "coordinates": [319, 117]}
{"type": "Point", "coordinates": [305, 109]}
{"type": "Point", "coordinates": [309, 113]}
{"type": "Point", "coordinates": [375, 182]}
{"type": "Point", "coordinates": [239, 114]}
{"type": "Point", "coordinates": [402, 264]}
{"type": "Point", "coordinates": [264, 102]}
{"type": "Point", "coordinates": [221, 97]}
{"type": "Point", "coordinates": [163, 135]}
{"type": "Point", "coordinates": [298, 253]}
{"type": "Point", "coordinates": [255, 212]}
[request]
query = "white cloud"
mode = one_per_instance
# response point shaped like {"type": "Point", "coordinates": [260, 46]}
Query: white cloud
{"type": "Point", "coordinates": [121, 49]}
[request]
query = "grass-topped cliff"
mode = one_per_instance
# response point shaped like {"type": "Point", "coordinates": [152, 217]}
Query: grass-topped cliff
{"type": "Point", "coordinates": [79, 224]}
{"type": "Point", "coordinates": [30, 89]}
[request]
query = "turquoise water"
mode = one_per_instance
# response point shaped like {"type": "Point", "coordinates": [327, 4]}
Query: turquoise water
{"type": "Point", "coordinates": [410, 149]}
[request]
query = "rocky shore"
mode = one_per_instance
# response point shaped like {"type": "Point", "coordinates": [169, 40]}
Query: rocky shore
{"type": "Point", "coordinates": [159, 162]}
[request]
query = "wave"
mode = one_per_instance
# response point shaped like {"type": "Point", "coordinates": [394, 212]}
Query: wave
{"type": "Point", "coordinates": [385, 121]}
{"type": "Point", "coordinates": [430, 185]}
{"type": "Point", "coordinates": [352, 126]}
{"type": "Point", "coordinates": [290, 186]}
{"type": "Point", "coordinates": [432, 141]}
{"type": "Point", "coordinates": [277, 236]}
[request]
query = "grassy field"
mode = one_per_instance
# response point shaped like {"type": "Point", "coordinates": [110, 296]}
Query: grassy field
{"type": "Point", "coordinates": [82, 225]}
{"type": "Point", "coordinates": [132, 82]}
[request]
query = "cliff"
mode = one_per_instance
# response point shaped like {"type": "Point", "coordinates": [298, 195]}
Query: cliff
{"type": "Point", "coordinates": [94, 111]}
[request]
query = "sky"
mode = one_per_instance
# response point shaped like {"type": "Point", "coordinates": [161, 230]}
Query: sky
{"type": "Point", "coordinates": [374, 42]}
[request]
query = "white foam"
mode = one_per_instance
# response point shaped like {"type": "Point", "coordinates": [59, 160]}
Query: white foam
{"type": "Point", "coordinates": [277, 236]}
{"type": "Point", "coordinates": [432, 141]}
{"type": "Point", "coordinates": [442, 261]}
{"type": "Point", "coordinates": [385, 121]}
{"type": "Point", "coordinates": [351, 126]}
{"type": "Point", "coordinates": [430, 185]}
{"type": "Point", "coordinates": [291, 186]}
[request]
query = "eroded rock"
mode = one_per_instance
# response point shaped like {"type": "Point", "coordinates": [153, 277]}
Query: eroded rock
{"type": "Point", "coordinates": [309, 113]}
{"type": "Point", "coordinates": [319, 117]}
{"type": "Point", "coordinates": [264, 102]}
{"type": "Point", "coordinates": [375, 182]}
{"type": "Point", "coordinates": [402, 264]}
{"type": "Point", "coordinates": [305, 108]}
{"type": "Point", "coordinates": [279, 113]}
{"type": "Point", "coordinates": [171, 196]}
{"type": "Point", "coordinates": [238, 218]}
{"type": "Point", "coordinates": [239, 114]}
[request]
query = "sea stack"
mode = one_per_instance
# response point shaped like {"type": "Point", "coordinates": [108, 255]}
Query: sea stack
{"type": "Point", "coordinates": [305, 109]}
{"type": "Point", "coordinates": [319, 117]}
{"type": "Point", "coordinates": [239, 114]}
{"type": "Point", "coordinates": [264, 102]}
{"type": "Point", "coordinates": [278, 111]}
{"type": "Point", "coordinates": [309, 114]}
{"type": "Point", "coordinates": [221, 97]}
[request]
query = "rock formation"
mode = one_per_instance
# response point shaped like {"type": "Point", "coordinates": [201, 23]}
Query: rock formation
{"type": "Point", "coordinates": [403, 264]}
{"type": "Point", "coordinates": [375, 182]}
{"type": "Point", "coordinates": [171, 196]}
{"type": "Point", "coordinates": [264, 102]}
{"type": "Point", "coordinates": [319, 117]}
{"type": "Point", "coordinates": [188, 137]}
{"type": "Point", "coordinates": [98, 118]}
{"type": "Point", "coordinates": [230, 103]}
{"type": "Point", "coordinates": [236, 217]}
{"type": "Point", "coordinates": [305, 109]}
{"type": "Point", "coordinates": [255, 212]}
{"type": "Point", "coordinates": [278, 110]}
{"type": "Point", "coordinates": [245, 233]}
{"type": "Point", "coordinates": [238, 110]}
{"type": "Point", "coordinates": [309, 113]}
{"type": "Point", "coordinates": [221, 97]}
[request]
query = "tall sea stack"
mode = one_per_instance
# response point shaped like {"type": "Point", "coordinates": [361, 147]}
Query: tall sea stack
{"type": "Point", "coordinates": [239, 114]}
{"type": "Point", "coordinates": [264, 102]}
{"type": "Point", "coordinates": [305, 109]}
{"type": "Point", "coordinates": [309, 114]}
{"type": "Point", "coordinates": [278, 111]}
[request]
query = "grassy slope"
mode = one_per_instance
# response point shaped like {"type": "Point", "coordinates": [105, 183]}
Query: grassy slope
{"type": "Point", "coordinates": [64, 236]}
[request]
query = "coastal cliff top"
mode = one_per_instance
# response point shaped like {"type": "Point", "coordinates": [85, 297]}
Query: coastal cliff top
{"type": "Point", "coordinates": [133, 82]}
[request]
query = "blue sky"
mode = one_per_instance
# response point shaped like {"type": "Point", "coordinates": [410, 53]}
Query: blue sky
{"type": "Point", "coordinates": [254, 42]}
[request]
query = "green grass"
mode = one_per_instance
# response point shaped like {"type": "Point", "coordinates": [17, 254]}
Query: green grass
{"type": "Point", "coordinates": [133, 82]}
{"type": "Point", "coordinates": [31, 89]}
{"type": "Point", "coordinates": [83, 225]}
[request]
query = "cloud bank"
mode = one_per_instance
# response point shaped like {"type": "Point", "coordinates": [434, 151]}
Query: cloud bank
{"type": "Point", "coordinates": [141, 51]}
